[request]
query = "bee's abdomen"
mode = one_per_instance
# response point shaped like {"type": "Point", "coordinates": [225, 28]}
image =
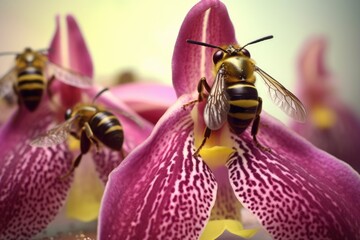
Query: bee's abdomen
{"type": "Point", "coordinates": [243, 105]}
{"type": "Point", "coordinates": [107, 128]}
{"type": "Point", "coordinates": [30, 87]}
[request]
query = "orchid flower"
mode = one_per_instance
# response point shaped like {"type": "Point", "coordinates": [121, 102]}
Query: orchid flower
{"type": "Point", "coordinates": [31, 188]}
{"type": "Point", "coordinates": [163, 191]}
{"type": "Point", "coordinates": [332, 126]}
{"type": "Point", "coordinates": [153, 101]}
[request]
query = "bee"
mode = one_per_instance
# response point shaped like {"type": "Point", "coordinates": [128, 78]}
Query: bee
{"type": "Point", "coordinates": [32, 74]}
{"type": "Point", "coordinates": [233, 96]}
{"type": "Point", "coordinates": [88, 123]}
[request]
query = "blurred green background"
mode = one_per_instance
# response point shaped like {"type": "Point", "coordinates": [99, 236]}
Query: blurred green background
{"type": "Point", "coordinates": [140, 35]}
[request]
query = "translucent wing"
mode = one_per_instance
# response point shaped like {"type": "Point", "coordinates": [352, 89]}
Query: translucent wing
{"type": "Point", "coordinates": [68, 76]}
{"type": "Point", "coordinates": [217, 106]}
{"type": "Point", "coordinates": [54, 136]}
{"type": "Point", "coordinates": [283, 98]}
{"type": "Point", "coordinates": [6, 86]}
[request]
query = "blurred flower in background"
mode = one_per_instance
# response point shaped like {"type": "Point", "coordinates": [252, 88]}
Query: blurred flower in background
{"type": "Point", "coordinates": [332, 125]}
{"type": "Point", "coordinates": [31, 189]}
{"type": "Point", "coordinates": [148, 99]}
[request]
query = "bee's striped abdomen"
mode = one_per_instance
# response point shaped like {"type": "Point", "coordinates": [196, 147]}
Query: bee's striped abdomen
{"type": "Point", "coordinates": [107, 128]}
{"type": "Point", "coordinates": [30, 87]}
{"type": "Point", "coordinates": [243, 105]}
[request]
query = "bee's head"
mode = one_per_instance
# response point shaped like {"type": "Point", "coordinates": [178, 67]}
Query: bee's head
{"type": "Point", "coordinates": [230, 50]}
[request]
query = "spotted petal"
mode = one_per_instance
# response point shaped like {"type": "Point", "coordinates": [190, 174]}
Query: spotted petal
{"type": "Point", "coordinates": [160, 191]}
{"type": "Point", "coordinates": [332, 126]}
{"type": "Point", "coordinates": [208, 21]}
{"type": "Point", "coordinates": [31, 192]}
{"type": "Point", "coordinates": [295, 190]}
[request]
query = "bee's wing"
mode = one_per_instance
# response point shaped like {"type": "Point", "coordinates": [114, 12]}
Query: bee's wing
{"type": "Point", "coordinates": [283, 98]}
{"type": "Point", "coordinates": [7, 86]}
{"type": "Point", "coordinates": [68, 76]}
{"type": "Point", "coordinates": [217, 106]}
{"type": "Point", "coordinates": [54, 136]}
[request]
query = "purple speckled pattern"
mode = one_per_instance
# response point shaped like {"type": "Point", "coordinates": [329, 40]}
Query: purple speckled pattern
{"type": "Point", "coordinates": [186, 57]}
{"type": "Point", "coordinates": [160, 191]}
{"type": "Point", "coordinates": [226, 205]}
{"type": "Point", "coordinates": [295, 196]}
{"type": "Point", "coordinates": [31, 192]}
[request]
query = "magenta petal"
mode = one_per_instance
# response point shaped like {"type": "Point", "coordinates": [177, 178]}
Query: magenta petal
{"type": "Point", "coordinates": [153, 101]}
{"type": "Point", "coordinates": [31, 192]}
{"type": "Point", "coordinates": [55, 49]}
{"type": "Point", "coordinates": [314, 83]}
{"type": "Point", "coordinates": [160, 191]}
{"type": "Point", "coordinates": [135, 128]}
{"type": "Point", "coordinates": [79, 56]}
{"type": "Point", "coordinates": [341, 136]}
{"type": "Point", "coordinates": [341, 140]}
{"type": "Point", "coordinates": [296, 191]}
{"type": "Point", "coordinates": [79, 59]}
{"type": "Point", "coordinates": [188, 61]}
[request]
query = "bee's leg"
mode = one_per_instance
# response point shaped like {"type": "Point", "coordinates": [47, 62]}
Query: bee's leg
{"type": "Point", "coordinates": [48, 90]}
{"type": "Point", "coordinates": [255, 126]}
{"type": "Point", "coordinates": [206, 136]}
{"type": "Point", "coordinates": [90, 136]}
{"type": "Point", "coordinates": [85, 144]}
{"type": "Point", "coordinates": [200, 89]}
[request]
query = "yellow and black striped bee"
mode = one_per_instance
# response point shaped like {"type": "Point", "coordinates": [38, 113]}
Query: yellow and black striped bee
{"type": "Point", "coordinates": [88, 123]}
{"type": "Point", "coordinates": [32, 74]}
{"type": "Point", "coordinates": [233, 96]}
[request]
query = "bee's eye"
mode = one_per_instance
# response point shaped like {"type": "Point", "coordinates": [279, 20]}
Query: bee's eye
{"type": "Point", "coordinates": [218, 56]}
{"type": "Point", "coordinates": [245, 52]}
{"type": "Point", "coordinates": [68, 114]}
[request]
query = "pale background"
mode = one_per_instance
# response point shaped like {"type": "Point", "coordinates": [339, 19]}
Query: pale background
{"type": "Point", "coordinates": [140, 35]}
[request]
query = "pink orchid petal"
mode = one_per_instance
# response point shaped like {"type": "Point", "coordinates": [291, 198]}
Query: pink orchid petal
{"type": "Point", "coordinates": [135, 128]}
{"type": "Point", "coordinates": [153, 101]}
{"type": "Point", "coordinates": [187, 58]}
{"type": "Point", "coordinates": [31, 192]}
{"type": "Point", "coordinates": [315, 81]}
{"type": "Point", "coordinates": [315, 85]}
{"type": "Point", "coordinates": [342, 140]}
{"type": "Point", "coordinates": [295, 190]}
{"type": "Point", "coordinates": [160, 191]}
{"type": "Point", "coordinates": [79, 58]}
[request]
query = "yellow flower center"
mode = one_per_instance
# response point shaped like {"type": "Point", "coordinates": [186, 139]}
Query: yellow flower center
{"type": "Point", "coordinates": [323, 117]}
{"type": "Point", "coordinates": [217, 148]}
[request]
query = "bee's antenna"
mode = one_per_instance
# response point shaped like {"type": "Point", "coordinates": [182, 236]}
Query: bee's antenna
{"type": "Point", "coordinates": [204, 44]}
{"type": "Point", "coordinates": [8, 53]}
{"type": "Point", "coordinates": [256, 41]}
{"type": "Point", "coordinates": [99, 93]}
